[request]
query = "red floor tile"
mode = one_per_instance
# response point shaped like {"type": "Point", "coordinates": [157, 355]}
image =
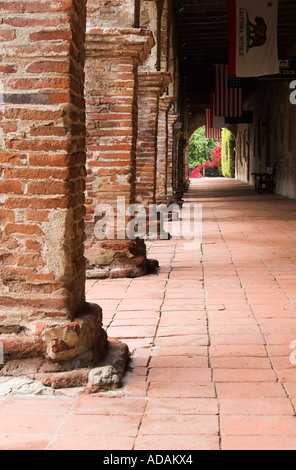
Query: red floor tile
{"type": "Point", "coordinates": [259, 443]}
{"type": "Point", "coordinates": [256, 406]}
{"type": "Point", "coordinates": [103, 425]}
{"type": "Point", "coordinates": [193, 442]}
{"type": "Point", "coordinates": [209, 337]}
{"type": "Point", "coordinates": [171, 425]}
{"type": "Point", "coordinates": [182, 406]}
{"type": "Point", "coordinates": [258, 425]}
{"type": "Point", "coordinates": [91, 441]}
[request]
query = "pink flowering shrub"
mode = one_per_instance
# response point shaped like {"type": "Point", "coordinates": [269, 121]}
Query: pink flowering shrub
{"type": "Point", "coordinates": [212, 166]}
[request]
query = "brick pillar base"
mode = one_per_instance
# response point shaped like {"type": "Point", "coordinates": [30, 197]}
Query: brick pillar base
{"type": "Point", "coordinates": [116, 259]}
{"type": "Point", "coordinates": [55, 346]}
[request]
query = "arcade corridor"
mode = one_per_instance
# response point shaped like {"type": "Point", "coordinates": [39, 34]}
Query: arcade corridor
{"type": "Point", "coordinates": [210, 338]}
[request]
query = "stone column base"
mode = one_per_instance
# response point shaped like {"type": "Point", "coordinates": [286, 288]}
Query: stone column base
{"type": "Point", "coordinates": [55, 345]}
{"type": "Point", "coordinates": [56, 355]}
{"type": "Point", "coordinates": [116, 259]}
{"type": "Point", "coordinates": [106, 375]}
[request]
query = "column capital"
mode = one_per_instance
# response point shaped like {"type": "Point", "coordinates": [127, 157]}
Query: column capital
{"type": "Point", "coordinates": [119, 42]}
{"type": "Point", "coordinates": [173, 118]}
{"type": "Point", "coordinates": [178, 127]}
{"type": "Point", "coordinates": [154, 81]}
{"type": "Point", "coordinates": [166, 101]}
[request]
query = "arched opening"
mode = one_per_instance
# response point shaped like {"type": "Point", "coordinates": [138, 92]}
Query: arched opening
{"type": "Point", "coordinates": [204, 155]}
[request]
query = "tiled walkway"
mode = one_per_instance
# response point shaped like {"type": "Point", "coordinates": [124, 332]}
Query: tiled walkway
{"type": "Point", "coordinates": [210, 338]}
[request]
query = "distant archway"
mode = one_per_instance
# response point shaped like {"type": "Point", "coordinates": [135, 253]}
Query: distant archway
{"type": "Point", "coordinates": [204, 155]}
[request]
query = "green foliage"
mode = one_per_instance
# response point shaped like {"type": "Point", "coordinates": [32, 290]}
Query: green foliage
{"type": "Point", "coordinates": [200, 148]}
{"type": "Point", "coordinates": [228, 154]}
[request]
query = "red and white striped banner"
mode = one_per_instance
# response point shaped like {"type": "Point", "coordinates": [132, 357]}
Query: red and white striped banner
{"type": "Point", "coordinates": [218, 122]}
{"type": "Point", "coordinates": [211, 133]}
{"type": "Point", "coordinates": [228, 101]}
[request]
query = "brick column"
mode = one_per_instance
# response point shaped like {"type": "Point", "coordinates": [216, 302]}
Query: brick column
{"type": "Point", "coordinates": [178, 135]}
{"type": "Point", "coordinates": [172, 119]}
{"type": "Point", "coordinates": [181, 179]}
{"type": "Point", "coordinates": [45, 322]}
{"type": "Point", "coordinates": [178, 162]}
{"type": "Point", "coordinates": [165, 103]}
{"type": "Point", "coordinates": [113, 56]}
{"type": "Point", "coordinates": [151, 86]}
{"type": "Point", "coordinates": [186, 169]}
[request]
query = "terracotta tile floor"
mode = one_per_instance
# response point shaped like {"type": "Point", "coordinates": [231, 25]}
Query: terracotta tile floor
{"type": "Point", "coordinates": [210, 339]}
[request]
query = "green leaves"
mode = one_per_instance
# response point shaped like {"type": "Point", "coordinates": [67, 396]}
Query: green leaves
{"type": "Point", "coordinates": [228, 154]}
{"type": "Point", "coordinates": [200, 148]}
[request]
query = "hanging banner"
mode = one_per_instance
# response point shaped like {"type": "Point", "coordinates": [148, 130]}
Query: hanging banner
{"type": "Point", "coordinates": [253, 49]}
{"type": "Point", "coordinates": [216, 121]}
{"type": "Point", "coordinates": [211, 133]}
{"type": "Point", "coordinates": [228, 94]}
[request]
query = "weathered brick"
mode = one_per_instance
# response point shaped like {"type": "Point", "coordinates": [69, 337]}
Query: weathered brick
{"type": "Point", "coordinates": [8, 127]}
{"type": "Point", "coordinates": [36, 7]}
{"type": "Point", "coordinates": [52, 187]}
{"type": "Point", "coordinates": [39, 173]}
{"type": "Point", "coordinates": [48, 130]}
{"type": "Point", "coordinates": [59, 98]}
{"type": "Point", "coordinates": [26, 98]}
{"type": "Point", "coordinates": [8, 68]}
{"type": "Point", "coordinates": [44, 50]}
{"type": "Point", "coordinates": [11, 187]}
{"type": "Point", "coordinates": [49, 66]}
{"type": "Point", "coordinates": [37, 216]}
{"type": "Point", "coordinates": [29, 22]}
{"type": "Point", "coordinates": [47, 35]}
{"type": "Point", "coordinates": [6, 216]}
{"type": "Point", "coordinates": [39, 203]}
{"type": "Point", "coordinates": [33, 245]}
{"type": "Point", "coordinates": [38, 145]}
{"type": "Point", "coordinates": [31, 260]}
{"type": "Point", "coordinates": [56, 160]}
{"type": "Point", "coordinates": [23, 347]}
{"type": "Point", "coordinates": [25, 229]}
{"type": "Point", "coordinates": [39, 83]}
{"type": "Point", "coordinates": [33, 114]}
{"type": "Point", "coordinates": [7, 35]}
